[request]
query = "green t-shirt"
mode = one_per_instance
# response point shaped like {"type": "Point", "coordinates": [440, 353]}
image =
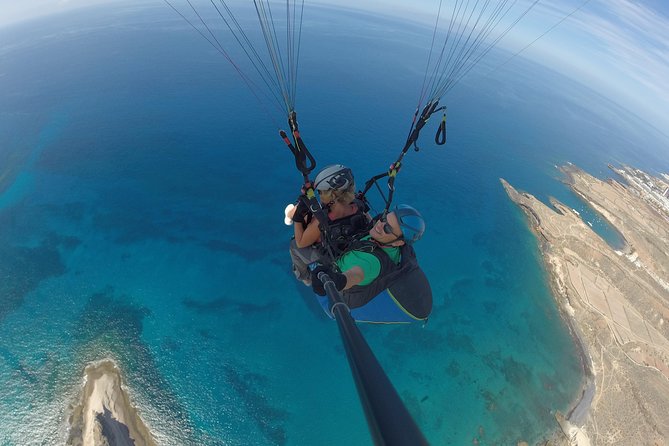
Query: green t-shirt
{"type": "Point", "coordinates": [370, 265]}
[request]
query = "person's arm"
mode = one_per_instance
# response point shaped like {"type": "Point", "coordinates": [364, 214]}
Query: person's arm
{"type": "Point", "coordinates": [359, 265]}
{"type": "Point", "coordinates": [354, 276]}
{"type": "Point", "coordinates": [309, 236]}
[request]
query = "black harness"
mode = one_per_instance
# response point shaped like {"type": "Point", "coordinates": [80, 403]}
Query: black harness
{"type": "Point", "coordinates": [342, 233]}
{"type": "Point", "coordinates": [357, 295]}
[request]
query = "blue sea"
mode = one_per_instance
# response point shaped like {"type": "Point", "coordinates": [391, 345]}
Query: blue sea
{"type": "Point", "coordinates": [142, 189]}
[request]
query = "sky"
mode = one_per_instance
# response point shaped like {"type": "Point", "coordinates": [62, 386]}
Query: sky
{"type": "Point", "coordinates": [619, 48]}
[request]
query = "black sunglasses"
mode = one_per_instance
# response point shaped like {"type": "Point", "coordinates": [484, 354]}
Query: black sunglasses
{"type": "Point", "coordinates": [388, 229]}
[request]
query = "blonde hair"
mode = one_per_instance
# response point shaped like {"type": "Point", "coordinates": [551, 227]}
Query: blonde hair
{"type": "Point", "coordinates": [345, 196]}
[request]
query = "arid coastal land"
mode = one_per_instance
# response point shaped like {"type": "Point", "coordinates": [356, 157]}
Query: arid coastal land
{"type": "Point", "coordinates": [616, 302]}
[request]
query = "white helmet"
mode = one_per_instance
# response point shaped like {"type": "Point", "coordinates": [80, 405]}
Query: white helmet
{"type": "Point", "coordinates": [335, 176]}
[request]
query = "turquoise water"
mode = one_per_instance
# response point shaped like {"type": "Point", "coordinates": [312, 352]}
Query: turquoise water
{"type": "Point", "coordinates": [144, 223]}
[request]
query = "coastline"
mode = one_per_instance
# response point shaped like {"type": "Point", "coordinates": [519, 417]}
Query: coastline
{"type": "Point", "coordinates": [570, 424]}
{"type": "Point", "coordinates": [615, 305]}
{"type": "Point", "coordinates": [104, 413]}
{"type": "Point", "coordinates": [568, 432]}
{"type": "Point", "coordinates": [581, 405]}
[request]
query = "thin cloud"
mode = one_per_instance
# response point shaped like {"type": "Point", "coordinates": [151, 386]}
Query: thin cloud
{"type": "Point", "coordinates": [617, 47]}
{"type": "Point", "coordinates": [20, 11]}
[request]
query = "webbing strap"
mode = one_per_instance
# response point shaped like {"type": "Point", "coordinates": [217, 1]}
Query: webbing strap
{"type": "Point", "coordinates": [304, 161]}
{"type": "Point", "coordinates": [414, 132]}
{"type": "Point", "coordinates": [440, 137]}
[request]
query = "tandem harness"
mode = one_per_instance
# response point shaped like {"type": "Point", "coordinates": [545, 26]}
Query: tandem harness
{"type": "Point", "coordinates": [405, 281]}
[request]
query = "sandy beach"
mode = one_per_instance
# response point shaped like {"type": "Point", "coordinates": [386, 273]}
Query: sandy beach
{"type": "Point", "coordinates": [104, 414]}
{"type": "Point", "coordinates": [615, 303]}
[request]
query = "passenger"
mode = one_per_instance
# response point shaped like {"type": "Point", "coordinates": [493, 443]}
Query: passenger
{"type": "Point", "coordinates": [346, 217]}
{"type": "Point", "coordinates": [360, 271]}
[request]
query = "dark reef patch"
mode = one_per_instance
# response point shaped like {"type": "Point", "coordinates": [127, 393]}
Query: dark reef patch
{"type": "Point", "coordinates": [206, 334]}
{"type": "Point", "coordinates": [496, 245]}
{"type": "Point", "coordinates": [516, 373]}
{"type": "Point", "coordinates": [251, 251]}
{"type": "Point", "coordinates": [132, 223]}
{"type": "Point", "coordinates": [462, 289]}
{"type": "Point", "coordinates": [18, 365]}
{"type": "Point", "coordinates": [460, 342]}
{"type": "Point", "coordinates": [249, 387]}
{"type": "Point", "coordinates": [402, 342]}
{"type": "Point", "coordinates": [68, 242]}
{"type": "Point", "coordinates": [226, 305]}
{"type": "Point", "coordinates": [72, 211]}
{"type": "Point", "coordinates": [453, 369]}
{"type": "Point", "coordinates": [496, 282]}
{"type": "Point", "coordinates": [22, 270]}
{"type": "Point", "coordinates": [130, 227]}
{"type": "Point", "coordinates": [495, 276]}
{"type": "Point", "coordinates": [106, 317]}
{"type": "Point", "coordinates": [490, 307]}
{"type": "Point", "coordinates": [170, 344]}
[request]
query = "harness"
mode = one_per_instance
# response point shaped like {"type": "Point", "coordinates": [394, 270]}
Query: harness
{"type": "Point", "coordinates": [343, 232]}
{"type": "Point", "coordinates": [357, 295]}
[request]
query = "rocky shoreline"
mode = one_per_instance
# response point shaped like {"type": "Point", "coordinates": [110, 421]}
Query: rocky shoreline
{"type": "Point", "coordinates": [615, 303]}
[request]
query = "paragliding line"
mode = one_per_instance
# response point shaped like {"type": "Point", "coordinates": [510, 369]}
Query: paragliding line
{"type": "Point", "coordinates": [540, 36]}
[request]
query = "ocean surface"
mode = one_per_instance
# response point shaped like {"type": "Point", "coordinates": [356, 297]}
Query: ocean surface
{"type": "Point", "coordinates": [142, 189]}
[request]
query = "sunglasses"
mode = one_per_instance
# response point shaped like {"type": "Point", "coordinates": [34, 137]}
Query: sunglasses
{"type": "Point", "coordinates": [389, 229]}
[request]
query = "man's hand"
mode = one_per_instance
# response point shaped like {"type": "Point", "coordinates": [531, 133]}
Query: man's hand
{"type": "Point", "coordinates": [339, 279]}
